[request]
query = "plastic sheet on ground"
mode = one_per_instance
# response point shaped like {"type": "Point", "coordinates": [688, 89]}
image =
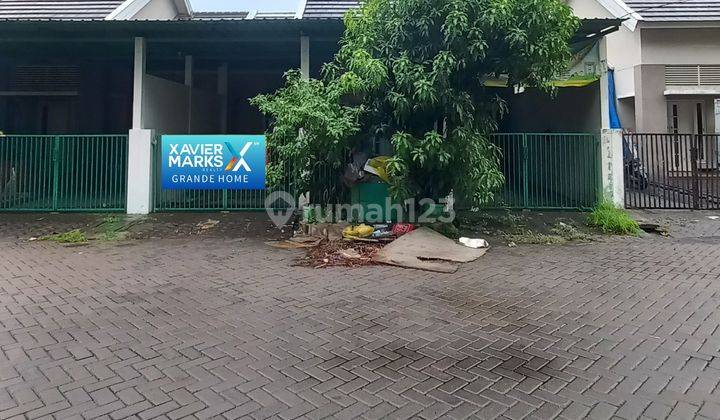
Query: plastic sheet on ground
{"type": "Point", "coordinates": [425, 249]}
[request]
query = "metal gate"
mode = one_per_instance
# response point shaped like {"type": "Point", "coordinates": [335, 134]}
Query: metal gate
{"type": "Point", "coordinates": [549, 170]}
{"type": "Point", "coordinates": [63, 173]}
{"type": "Point", "coordinates": [672, 171]}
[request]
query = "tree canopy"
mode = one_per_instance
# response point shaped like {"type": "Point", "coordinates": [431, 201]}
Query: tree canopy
{"type": "Point", "coordinates": [414, 72]}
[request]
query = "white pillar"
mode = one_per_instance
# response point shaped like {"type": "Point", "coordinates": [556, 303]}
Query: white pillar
{"type": "Point", "coordinates": [138, 82]}
{"type": "Point", "coordinates": [612, 166]}
{"type": "Point", "coordinates": [139, 193]}
{"type": "Point", "coordinates": [716, 110]}
{"type": "Point", "coordinates": [139, 142]}
{"type": "Point", "coordinates": [305, 73]}
{"type": "Point", "coordinates": [305, 56]}
{"type": "Point", "coordinates": [223, 92]}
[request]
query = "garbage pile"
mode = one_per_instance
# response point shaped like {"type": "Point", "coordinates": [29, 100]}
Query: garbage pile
{"type": "Point", "coordinates": [364, 169]}
{"type": "Point", "coordinates": [388, 242]}
{"type": "Point", "coordinates": [340, 254]}
{"type": "Point", "coordinates": [383, 233]}
{"type": "Point", "coordinates": [398, 244]}
{"type": "Point", "coordinates": [342, 244]}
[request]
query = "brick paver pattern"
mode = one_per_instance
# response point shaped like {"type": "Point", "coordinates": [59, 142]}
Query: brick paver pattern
{"type": "Point", "coordinates": [209, 327]}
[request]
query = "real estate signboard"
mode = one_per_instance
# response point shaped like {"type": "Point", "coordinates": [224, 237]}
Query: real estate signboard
{"type": "Point", "coordinates": [213, 162]}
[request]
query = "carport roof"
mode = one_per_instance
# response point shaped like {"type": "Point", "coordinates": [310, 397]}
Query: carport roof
{"type": "Point", "coordinates": [255, 28]}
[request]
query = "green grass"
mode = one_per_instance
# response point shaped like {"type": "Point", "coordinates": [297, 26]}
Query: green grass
{"type": "Point", "coordinates": [611, 219]}
{"type": "Point", "coordinates": [570, 232]}
{"type": "Point", "coordinates": [111, 229]}
{"type": "Point", "coordinates": [534, 238]}
{"type": "Point", "coordinates": [75, 236]}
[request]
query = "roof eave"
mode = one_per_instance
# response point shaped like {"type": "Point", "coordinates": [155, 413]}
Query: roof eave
{"type": "Point", "coordinates": [676, 23]}
{"type": "Point", "coordinates": [620, 10]}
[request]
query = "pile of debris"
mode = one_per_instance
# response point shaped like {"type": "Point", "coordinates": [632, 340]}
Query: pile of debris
{"type": "Point", "coordinates": [402, 245]}
{"type": "Point", "coordinates": [340, 254]}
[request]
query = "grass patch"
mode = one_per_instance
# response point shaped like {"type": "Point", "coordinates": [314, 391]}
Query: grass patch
{"type": "Point", "coordinates": [75, 236]}
{"type": "Point", "coordinates": [111, 229]}
{"type": "Point", "coordinates": [611, 219]}
{"type": "Point", "coordinates": [494, 223]}
{"type": "Point", "coordinates": [569, 232]}
{"type": "Point", "coordinates": [534, 238]}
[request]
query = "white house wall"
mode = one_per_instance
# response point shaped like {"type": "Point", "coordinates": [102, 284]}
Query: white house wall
{"type": "Point", "coordinates": [623, 47]}
{"type": "Point", "coordinates": [174, 108]}
{"type": "Point", "coordinates": [157, 10]}
{"type": "Point", "coordinates": [166, 105]}
{"type": "Point", "coordinates": [671, 46]}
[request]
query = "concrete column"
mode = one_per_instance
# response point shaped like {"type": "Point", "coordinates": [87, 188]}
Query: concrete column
{"type": "Point", "coordinates": [138, 81]}
{"type": "Point", "coordinates": [139, 142]}
{"type": "Point", "coordinates": [305, 56]}
{"type": "Point", "coordinates": [604, 86]}
{"type": "Point", "coordinates": [612, 166]}
{"type": "Point", "coordinates": [650, 102]}
{"type": "Point", "coordinates": [304, 199]}
{"type": "Point", "coordinates": [223, 92]}
{"type": "Point", "coordinates": [139, 195]}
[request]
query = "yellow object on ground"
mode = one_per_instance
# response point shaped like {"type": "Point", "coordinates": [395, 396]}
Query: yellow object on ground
{"type": "Point", "coordinates": [378, 166]}
{"type": "Point", "coordinates": [359, 231]}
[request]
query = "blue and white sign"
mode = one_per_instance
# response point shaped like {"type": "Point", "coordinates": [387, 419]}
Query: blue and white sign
{"type": "Point", "coordinates": [213, 162]}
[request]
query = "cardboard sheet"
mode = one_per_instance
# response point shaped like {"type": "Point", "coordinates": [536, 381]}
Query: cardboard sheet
{"type": "Point", "coordinates": [425, 249]}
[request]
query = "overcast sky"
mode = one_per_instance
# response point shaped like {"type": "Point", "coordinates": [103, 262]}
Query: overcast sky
{"type": "Point", "coordinates": [233, 5]}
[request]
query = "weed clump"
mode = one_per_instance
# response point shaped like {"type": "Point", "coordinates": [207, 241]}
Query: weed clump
{"type": "Point", "coordinates": [75, 236]}
{"type": "Point", "coordinates": [611, 219]}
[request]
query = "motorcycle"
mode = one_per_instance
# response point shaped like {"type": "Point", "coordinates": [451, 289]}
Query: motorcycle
{"type": "Point", "coordinates": [635, 175]}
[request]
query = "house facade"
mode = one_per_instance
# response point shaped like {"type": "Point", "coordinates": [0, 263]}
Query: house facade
{"type": "Point", "coordinates": [666, 59]}
{"type": "Point", "coordinates": [70, 67]}
{"type": "Point", "coordinates": [141, 68]}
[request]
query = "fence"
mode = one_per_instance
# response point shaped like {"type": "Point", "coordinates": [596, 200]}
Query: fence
{"type": "Point", "coordinates": [63, 173]}
{"type": "Point", "coordinates": [672, 171]}
{"type": "Point", "coordinates": [549, 170]}
{"type": "Point", "coordinates": [543, 171]}
{"type": "Point", "coordinates": [206, 200]}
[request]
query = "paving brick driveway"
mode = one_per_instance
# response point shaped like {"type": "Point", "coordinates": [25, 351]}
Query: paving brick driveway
{"type": "Point", "coordinates": [220, 327]}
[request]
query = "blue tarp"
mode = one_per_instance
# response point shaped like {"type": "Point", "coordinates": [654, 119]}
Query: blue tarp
{"type": "Point", "coordinates": [612, 97]}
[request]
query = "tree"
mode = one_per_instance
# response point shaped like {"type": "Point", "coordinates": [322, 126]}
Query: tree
{"type": "Point", "coordinates": [414, 71]}
{"type": "Point", "coordinates": [312, 133]}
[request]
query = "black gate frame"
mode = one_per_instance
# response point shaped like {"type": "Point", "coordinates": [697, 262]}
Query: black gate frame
{"type": "Point", "coordinates": [671, 171]}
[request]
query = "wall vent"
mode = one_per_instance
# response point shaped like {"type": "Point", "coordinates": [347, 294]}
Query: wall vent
{"type": "Point", "coordinates": [46, 78]}
{"type": "Point", "coordinates": [702, 75]}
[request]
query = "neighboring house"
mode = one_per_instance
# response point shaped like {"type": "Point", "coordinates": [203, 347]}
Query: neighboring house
{"type": "Point", "coordinates": [327, 9]}
{"type": "Point", "coordinates": [81, 10]}
{"type": "Point", "coordinates": [666, 58]}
